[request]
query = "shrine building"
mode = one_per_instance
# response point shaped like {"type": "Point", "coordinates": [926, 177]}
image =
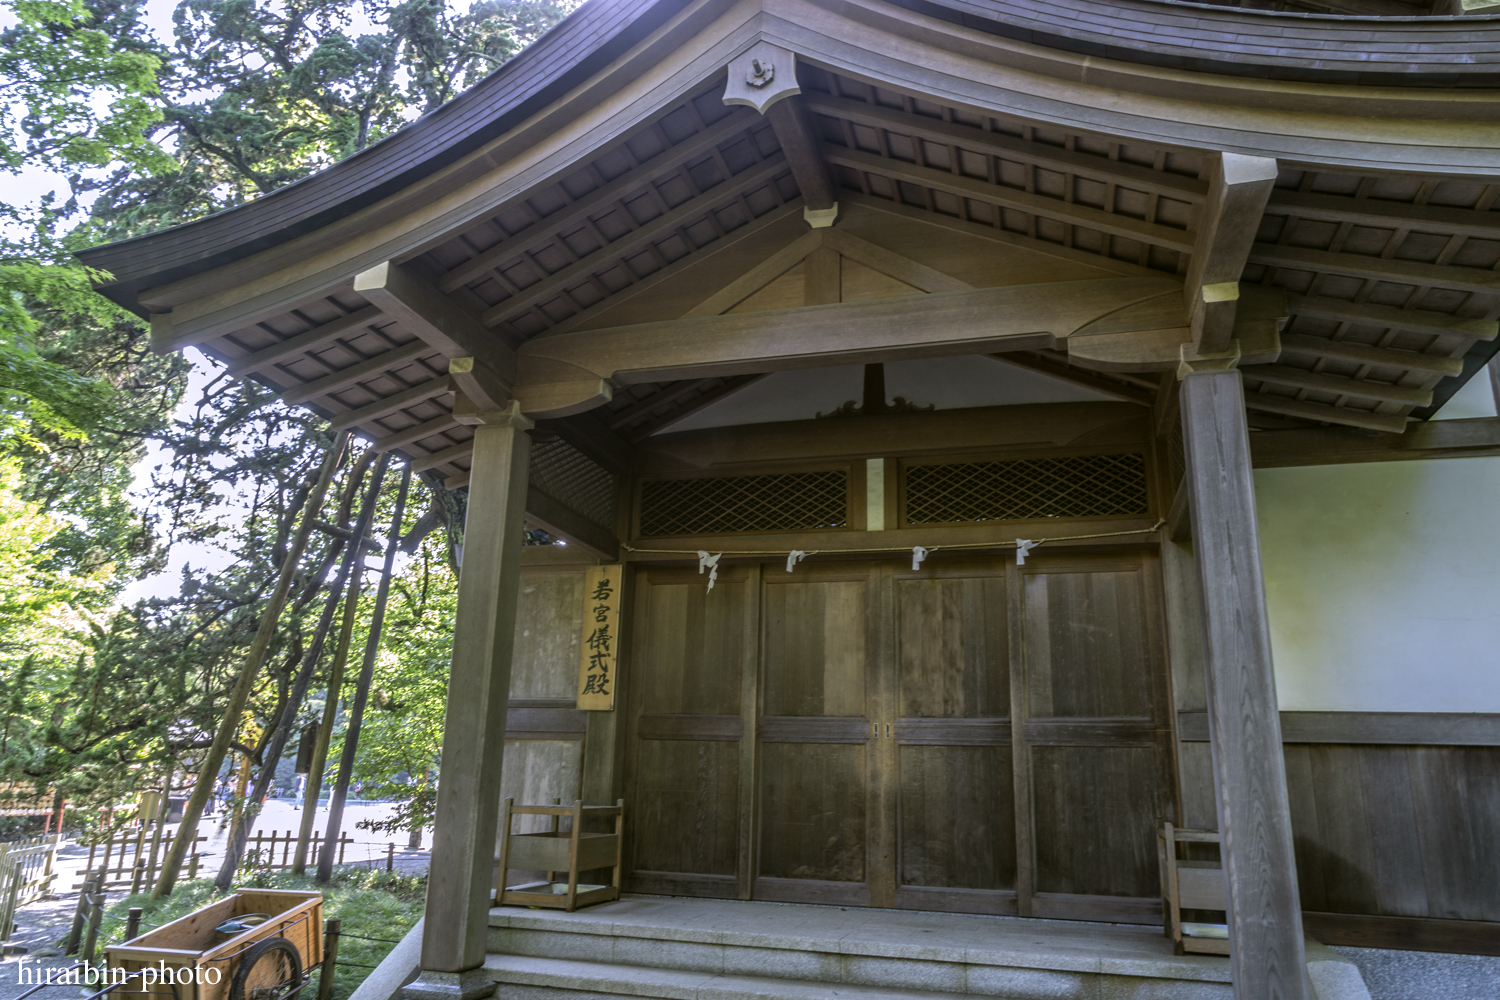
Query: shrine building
{"type": "Point", "coordinates": [1035, 458]}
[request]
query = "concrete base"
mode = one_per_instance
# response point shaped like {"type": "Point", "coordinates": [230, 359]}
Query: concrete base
{"type": "Point", "coordinates": [474, 984]}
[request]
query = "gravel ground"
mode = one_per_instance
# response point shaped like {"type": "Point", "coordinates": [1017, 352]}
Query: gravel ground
{"type": "Point", "coordinates": [42, 925]}
{"type": "Point", "coordinates": [1425, 975]}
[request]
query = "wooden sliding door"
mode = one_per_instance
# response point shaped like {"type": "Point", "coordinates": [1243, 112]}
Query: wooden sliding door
{"type": "Point", "coordinates": [953, 781]}
{"type": "Point", "coordinates": [691, 687]}
{"type": "Point", "coordinates": [970, 736]}
{"type": "Point", "coordinates": [1095, 735]}
{"type": "Point", "coordinates": [821, 813]}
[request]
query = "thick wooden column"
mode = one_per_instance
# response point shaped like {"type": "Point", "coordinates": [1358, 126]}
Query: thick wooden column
{"type": "Point", "coordinates": [462, 870]}
{"type": "Point", "coordinates": [1265, 916]}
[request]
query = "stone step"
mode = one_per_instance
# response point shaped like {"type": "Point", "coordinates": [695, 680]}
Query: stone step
{"type": "Point", "coordinates": [526, 978]}
{"type": "Point", "coordinates": [656, 941]}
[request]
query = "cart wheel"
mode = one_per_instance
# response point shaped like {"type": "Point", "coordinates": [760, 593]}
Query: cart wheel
{"type": "Point", "coordinates": [270, 970]}
{"type": "Point", "coordinates": [161, 991]}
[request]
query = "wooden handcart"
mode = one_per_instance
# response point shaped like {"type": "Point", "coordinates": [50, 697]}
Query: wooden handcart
{"type": "Point", "coordinates": [258, 944]}
{"type": "Point", "coordinates": [554, 851]}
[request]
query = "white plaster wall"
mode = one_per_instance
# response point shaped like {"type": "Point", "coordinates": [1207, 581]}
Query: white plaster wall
{"type": "Point", "coordinates": [1383, 580]}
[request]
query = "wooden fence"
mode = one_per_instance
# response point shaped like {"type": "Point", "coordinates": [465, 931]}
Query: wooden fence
{"type": "Point", "coordinates": [261, 850]}
{"type": "Point", "coordinates": [132, 857]}
{"type": "Point", "coordinates": [26, 875]}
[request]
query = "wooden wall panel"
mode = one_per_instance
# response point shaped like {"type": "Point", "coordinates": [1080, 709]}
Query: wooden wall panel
{"type": "Point", "coordinates": [958, 824]}
{"type": "Point", "coordinates": [815, 648]}
{"type": "Point", "coordinates": [953, 647]}
{"type": "Point", "coordinates": [549, 626]}
{"type": "Point", "coordinates": [538, 772]}
{"type": "Point", "coordinates": [813, 820]}
{"type": "Point", "coordinates": [686, 807]}
{"type": "Point", "coordinates": [1095, 820]}
{"type": "Point", "coordinates": [1397, 831]}
{"type": "Point", "coordinates": [1089, 655]}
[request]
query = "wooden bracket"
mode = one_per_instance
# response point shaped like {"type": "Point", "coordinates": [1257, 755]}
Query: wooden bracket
{"type": "Point", "coordinates": [1239, 187]}
{"type": "Point", "coordinates": [442, 323]}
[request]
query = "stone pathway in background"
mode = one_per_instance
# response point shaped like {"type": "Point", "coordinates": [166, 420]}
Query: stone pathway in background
{"type": "Point", "coordinates": [42, 925]}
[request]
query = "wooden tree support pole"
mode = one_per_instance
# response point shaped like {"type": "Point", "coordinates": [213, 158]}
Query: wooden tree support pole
{"type": "Point", "coordinates": [1266, 953]}
{"type": "Point", "coordinates": [362, 688]}
{"type": "Point", "coordinates": [462, 870]}
{"type": "Point", "coordinates": [213, 759]}
{"type": "Point", "coordinates": [330, 958]}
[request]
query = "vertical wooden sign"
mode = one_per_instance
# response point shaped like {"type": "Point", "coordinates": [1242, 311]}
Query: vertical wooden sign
{"type": "Point", "coordinates": [601, 630]}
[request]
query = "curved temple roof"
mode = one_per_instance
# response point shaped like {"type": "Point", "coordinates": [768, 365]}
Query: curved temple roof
{"type": "Point", "coordinates": [603, 162]}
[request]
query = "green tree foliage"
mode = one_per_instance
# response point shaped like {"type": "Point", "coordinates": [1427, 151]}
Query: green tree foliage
{"type": "Point", "coordinates": [248, 96]}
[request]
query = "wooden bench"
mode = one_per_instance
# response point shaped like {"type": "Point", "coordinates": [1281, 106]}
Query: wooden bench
{"type": "Point", "coordinates": [1192, 885]}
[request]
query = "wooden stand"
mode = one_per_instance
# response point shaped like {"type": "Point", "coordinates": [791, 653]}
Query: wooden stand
{"type": "Point", "coordinates": [1194, 885]}
{"type": "Point", "coordinates": [555, 851]}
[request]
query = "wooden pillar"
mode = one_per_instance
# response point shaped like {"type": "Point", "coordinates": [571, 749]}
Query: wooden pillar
{"type": "Point", "coordinates": [460, 877]}
{"type": "Point", "coordinates": [1265, 917]}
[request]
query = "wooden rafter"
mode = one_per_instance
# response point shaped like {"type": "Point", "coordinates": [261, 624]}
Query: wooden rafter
{"type": "Point", "coordinates": [652, 170]}
{"type": "Point", "coordinates": [669, 221]}
{"type": "Point", "coordinates": [1068, 213]}
{"type": "Point", "coordinates": [1064, 161]}
{"type": "Point", "coordinates": [303, 342]}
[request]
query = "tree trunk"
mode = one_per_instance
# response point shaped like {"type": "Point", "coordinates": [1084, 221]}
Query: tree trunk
{"type": "Point", "coordinates": [362, 689]}
{"type": "Point", "coordinates": [214, 758]}
{"type": "Point", "coordinates": [234, 848]}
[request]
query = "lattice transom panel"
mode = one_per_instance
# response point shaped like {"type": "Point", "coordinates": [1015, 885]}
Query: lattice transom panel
{"type": "Point", "coordinates": [796, 501]}
{"type": "Point", "coordinates": [571, 478]}
{"type": "Point", "coordinates": [1082, 486]}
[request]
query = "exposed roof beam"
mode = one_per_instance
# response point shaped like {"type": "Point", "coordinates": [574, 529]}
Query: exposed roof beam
{"type": "Point", "coordinates": [994, 235]}
{"type": "Point", "coordinates": [670, 393]}
{"type": "Point", "coordinates": [1040, 363]}
{"type": "Point", "coordinates": [799, 142]}
{"type": "Point", "coordinates": [596, 199]}
{"type": "Point", "coordinates": [444, 457]}
{"type": "Point", "coordinates": [1379, 391]}
{"type": "Point", "coordinates": [1007, 147]}
{"type": "Point", "coordinates": [892, 264]}
{"type": "Point", "coordinates": [768, 270]}
{"type": "Point", "coordinates": [1069, 213]}
{"type": "Point", "coordinates": [1015, 317]}
{"type": "Point", "coordinates": [359, 371]}
{"type": "Point", "coordinates": [390, 404]}
{"type": "Point", "coordinates": [1238, 187]}
{"type": "Point", "coordinates": [1364, 354]}
{"type": "Point", "coordinates": [303, 342]}
{"type": "Point", "coordinates": [411, 435]}
{"type": "Point", "coordinates": [1391, 423]}
{"type": "Point", "coordinates": [540, 291]}
{"type": "Point", "coordinates": [1404, 272]}
{"type": "Point", "coordinates": [1417, 320]}
{"type": "Point", "coordinates": [593, 437]}
{"type": "Point", "coordinates": [646, 283]}
{"type": "Point", "coordinates": [1475, 437]}
{"type": "Point", "coordinates": [448, 327]}
{"type": "Point", "coordinates": [1382, 214]}
{"type": "Point", "coordinates": [559, 519]}
{"type": "Point", "coordinates": [729, 388]}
